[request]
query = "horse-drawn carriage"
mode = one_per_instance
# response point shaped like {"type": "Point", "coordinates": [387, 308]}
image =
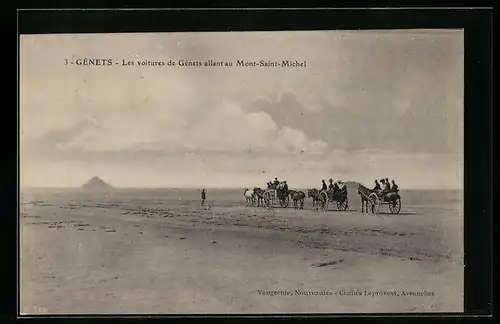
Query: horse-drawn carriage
{"type": "Point", "coordinates": [281, 193]}
{"type": "Point", "coordinates": [340, 197]}
{"type": "Point", "coordinates": [392, 199]}
{"type": "Point", "coordinates": [321, 198]}
{"type": "Point", "coordinates": [377, 198]}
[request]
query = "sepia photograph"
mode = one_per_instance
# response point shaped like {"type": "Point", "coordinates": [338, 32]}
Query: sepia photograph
{"type": "Point", "coordinates": [256, 172]}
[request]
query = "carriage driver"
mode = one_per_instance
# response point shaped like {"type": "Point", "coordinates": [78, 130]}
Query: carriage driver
{"type": "Point", "coordinates": [377, 186]}
{"type": "Point", "coordinates": [285, 186]}
{"type": "Point", "coordinates": [382, 184]}
{"type": "Point", "coordinates": [276, 183]}
{"type": "Point", "coordinates": [323, 187]}
{"type": "Point", "coordinates": [330, 186]}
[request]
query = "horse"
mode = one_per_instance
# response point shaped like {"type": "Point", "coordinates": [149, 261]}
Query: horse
{"type": "Point", "coordinates": [297, 196]}
{"type": "Point", "coordinates": [249, 197]}
{"type": "Point", "coordinates": [364, 192]}
{"type": "Point", "coordinates": [314, 193]}
{"type": "Point", "coordinates": [259, 195]}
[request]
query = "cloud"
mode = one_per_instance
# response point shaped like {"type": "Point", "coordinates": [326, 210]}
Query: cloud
{"type": "Point", "coordinates": [225, 128]}
{"type": "Point", "coordinates": [398, 95]}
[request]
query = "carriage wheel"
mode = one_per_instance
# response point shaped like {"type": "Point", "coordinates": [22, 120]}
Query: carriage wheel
{"type": "Point", "coordinates": [268, 199]}
{"type": "Point", "coordinates": [343, 205]}
{"type": "Point", "coordinates": [395, 206]}
{"type": "Point", "coordinates": [323, 200]}
{"type": "Point", "coordinates": [284, 201]}
{"type": "Point", "coordinates": [375, 201]}
{"type": "Point", "coordinates": [330, 196]}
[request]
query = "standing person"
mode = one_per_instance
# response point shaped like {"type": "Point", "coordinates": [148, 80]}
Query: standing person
{"type": "Point", "coordinates": [276, 184]}
{"type": "Point", "coordinates": [387, 183]}
{"type": "Point", "coordinates": [203, 197]}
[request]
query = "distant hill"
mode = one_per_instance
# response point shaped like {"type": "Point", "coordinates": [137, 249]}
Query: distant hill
{"type": "Point", "coordinates": [96, 184]}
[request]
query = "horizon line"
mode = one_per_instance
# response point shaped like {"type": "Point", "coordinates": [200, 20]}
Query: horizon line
{"type": "Point", "coordinates": [206, 187]}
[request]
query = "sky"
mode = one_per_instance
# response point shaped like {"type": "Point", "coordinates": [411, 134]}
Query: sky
{"type": "Point", "coordinates": [368, 104]}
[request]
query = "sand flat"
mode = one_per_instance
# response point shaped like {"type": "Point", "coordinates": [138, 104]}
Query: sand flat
{"type": "Point", "coordinates": [170, 258]}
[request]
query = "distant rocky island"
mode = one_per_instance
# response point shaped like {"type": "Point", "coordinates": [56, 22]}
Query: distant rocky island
{"type": "Point", "coordinates": [96, 184]}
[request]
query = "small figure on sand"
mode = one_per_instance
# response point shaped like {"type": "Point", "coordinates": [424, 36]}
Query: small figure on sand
{"type": "Point", "coordinates": [203, 197]}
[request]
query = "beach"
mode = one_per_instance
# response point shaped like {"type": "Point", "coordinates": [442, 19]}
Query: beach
{"type": "Point", "coordinates": [158, 251]}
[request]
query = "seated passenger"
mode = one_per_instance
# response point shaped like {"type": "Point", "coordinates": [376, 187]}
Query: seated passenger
{"type": "Point", "coordinates": [395, 187]}
{"type": "Point", "coordinates": [387, 188]}
{"type": "Point", "coordinates": [382, 185]}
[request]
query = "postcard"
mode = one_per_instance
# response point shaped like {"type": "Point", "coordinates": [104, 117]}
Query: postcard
{"type": "Point", "coordinates": [242, 172]}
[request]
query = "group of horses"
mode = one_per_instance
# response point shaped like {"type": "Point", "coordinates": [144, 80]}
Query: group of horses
{"type": "Point", "coordinates": [265, 197]}
{"type": "Point", "coordinates": [371, 199]}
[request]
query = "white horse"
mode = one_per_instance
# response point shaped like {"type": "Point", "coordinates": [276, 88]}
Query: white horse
{"type": "Point", "coordinates": [249, 197]}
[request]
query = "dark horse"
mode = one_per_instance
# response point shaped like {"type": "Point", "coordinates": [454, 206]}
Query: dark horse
{"type": "Point", "coordinates": [259, 195]}
{"type": "Point", "coordinates": [364, 192]}
{"type": "Point", "coordinates": [314, 193]}
{"type": "Point", "coordinates": [297, 196]}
